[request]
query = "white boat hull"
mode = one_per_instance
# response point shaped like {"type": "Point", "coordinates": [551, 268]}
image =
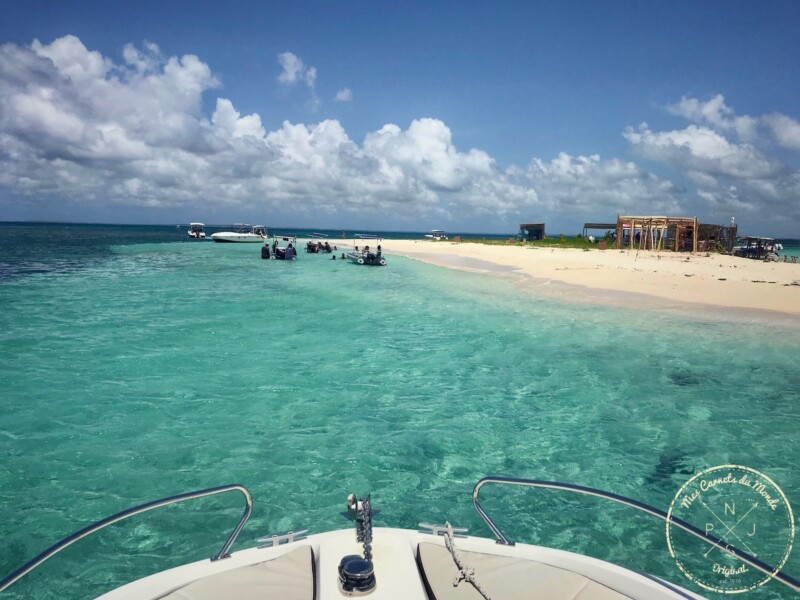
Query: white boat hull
{"type": "Point", "coordinates": [237, 238]}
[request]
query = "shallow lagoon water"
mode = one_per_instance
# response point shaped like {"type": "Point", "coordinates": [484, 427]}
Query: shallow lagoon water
{"type": "Point", "coordinates": [144, 370]}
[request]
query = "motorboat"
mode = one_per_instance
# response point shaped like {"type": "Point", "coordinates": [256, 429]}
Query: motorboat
{"type": "Point", "coordinates": [318, 244]}
{"type": "Point", "coordinates": [366, 257]}
{"type": "Point", "coordinates": [197, 231]}
{"type": "Point", "coordinates": [283, 247]}
{"type": "Point", "coordinates": [434, 562]}
{"type": "Point", "coordinates": [759, 248]}
{"type": "Point", "coordinates": [437, 235]}
{"type": "Point", "coordinates": [241, 234]}
{"type": "Point", "coordinates": [318, 247]}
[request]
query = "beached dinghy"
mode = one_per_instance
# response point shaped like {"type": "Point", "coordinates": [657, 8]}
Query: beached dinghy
{"type": "Point", "coordinates": [437, 562]}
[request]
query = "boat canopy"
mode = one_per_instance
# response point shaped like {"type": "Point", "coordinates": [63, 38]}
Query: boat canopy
{"type": "Point", "coordinates": [754, 238]}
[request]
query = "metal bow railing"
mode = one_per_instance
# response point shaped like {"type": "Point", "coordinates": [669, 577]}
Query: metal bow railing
{"type": "Point", "coordinates": [94, 527]}
{"type": "Point", "coordinates": [641, 506]}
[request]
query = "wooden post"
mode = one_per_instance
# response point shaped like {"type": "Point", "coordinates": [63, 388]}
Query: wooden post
{"type": "Point", "coordinates": [633, 227]}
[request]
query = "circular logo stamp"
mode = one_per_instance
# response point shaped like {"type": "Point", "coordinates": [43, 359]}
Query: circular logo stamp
{"type": "Point", "coordinates": [741, 507]}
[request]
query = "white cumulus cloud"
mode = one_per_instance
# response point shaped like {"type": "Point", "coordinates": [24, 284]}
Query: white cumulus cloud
{"type": "Point", "coordinates": [785, 130]}
{"type": "Point", "coordinates": [293, 68]}
{"type": "Point", "coordinates": [595, 189]}
{"type": "Point", "coordinates": [728, 158]}
{"type": "Point", "coordinates": [78, 129]}
{"type": "Point", "coordinates": [77, 126]}
{"type": "Point", "coordinates": [344, 95]}
{"type": "Point", "coordinates": [296, 71]}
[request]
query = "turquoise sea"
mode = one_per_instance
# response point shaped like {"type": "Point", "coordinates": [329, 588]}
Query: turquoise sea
{"type": "Point", "coordinates": [136, 364]}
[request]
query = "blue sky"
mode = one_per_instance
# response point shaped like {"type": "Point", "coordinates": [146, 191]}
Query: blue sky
{"type": "Point", "coordinates": [466, 116]}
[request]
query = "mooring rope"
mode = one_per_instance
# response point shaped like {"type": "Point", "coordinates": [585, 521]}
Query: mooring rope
{"type": "Point", "coordinates": [465, 573]}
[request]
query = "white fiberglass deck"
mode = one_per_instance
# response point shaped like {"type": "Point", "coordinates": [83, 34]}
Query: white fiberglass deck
{"type": "Point", "coordinates": [292, 572]}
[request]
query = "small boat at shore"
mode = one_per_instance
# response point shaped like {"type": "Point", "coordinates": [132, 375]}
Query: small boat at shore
{"type": "Point", "coordinates": [366, 257]}
{"type": "Point", "coordinates": [758, 248]}
{"type": "Point", "coordinates": [242, 234]}
{"type": "Point", "coordinates": [437, 235]}
{"type": "Point", "coordinates": [434, 562]}
{"type": "Point", "coordinates": [318, 247]}
{"type": "Point", "coordinates": [287, 251]}
{"type": "Point", "coordinates": [197, 231]}
{"type": "Point", "coordinates": [318, 244]}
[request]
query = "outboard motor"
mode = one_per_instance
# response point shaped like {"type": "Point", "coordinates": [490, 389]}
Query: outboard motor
{"type": "Point", "coordinates": [356, 573]}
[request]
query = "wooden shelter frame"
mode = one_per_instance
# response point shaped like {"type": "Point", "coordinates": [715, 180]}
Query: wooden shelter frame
{"type": "Point", "coordinates": [653, 233]}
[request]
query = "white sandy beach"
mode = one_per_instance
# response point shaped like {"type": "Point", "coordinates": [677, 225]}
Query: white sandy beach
{"type": "Point", "coordinates": [625, 276]}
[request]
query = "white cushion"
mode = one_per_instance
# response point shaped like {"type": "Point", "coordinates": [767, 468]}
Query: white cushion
{"type": "Point", "coordinates": [290, 577]}
{"type": "Point", "coordinates": [505, 578]}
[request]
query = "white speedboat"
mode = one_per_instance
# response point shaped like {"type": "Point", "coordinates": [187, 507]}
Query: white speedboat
{"type": "Point", "coordinates": [242, 234]}
{"type": "Point", "coordinates": [437, 235]}
{"type": "Point", "coordinates": [197, 231]}
{"type": "Point", "coordinates": [436, 562]}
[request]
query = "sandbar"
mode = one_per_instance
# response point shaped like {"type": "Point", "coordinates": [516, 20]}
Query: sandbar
{"type": "Point", "coordinates": [628, 277]}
